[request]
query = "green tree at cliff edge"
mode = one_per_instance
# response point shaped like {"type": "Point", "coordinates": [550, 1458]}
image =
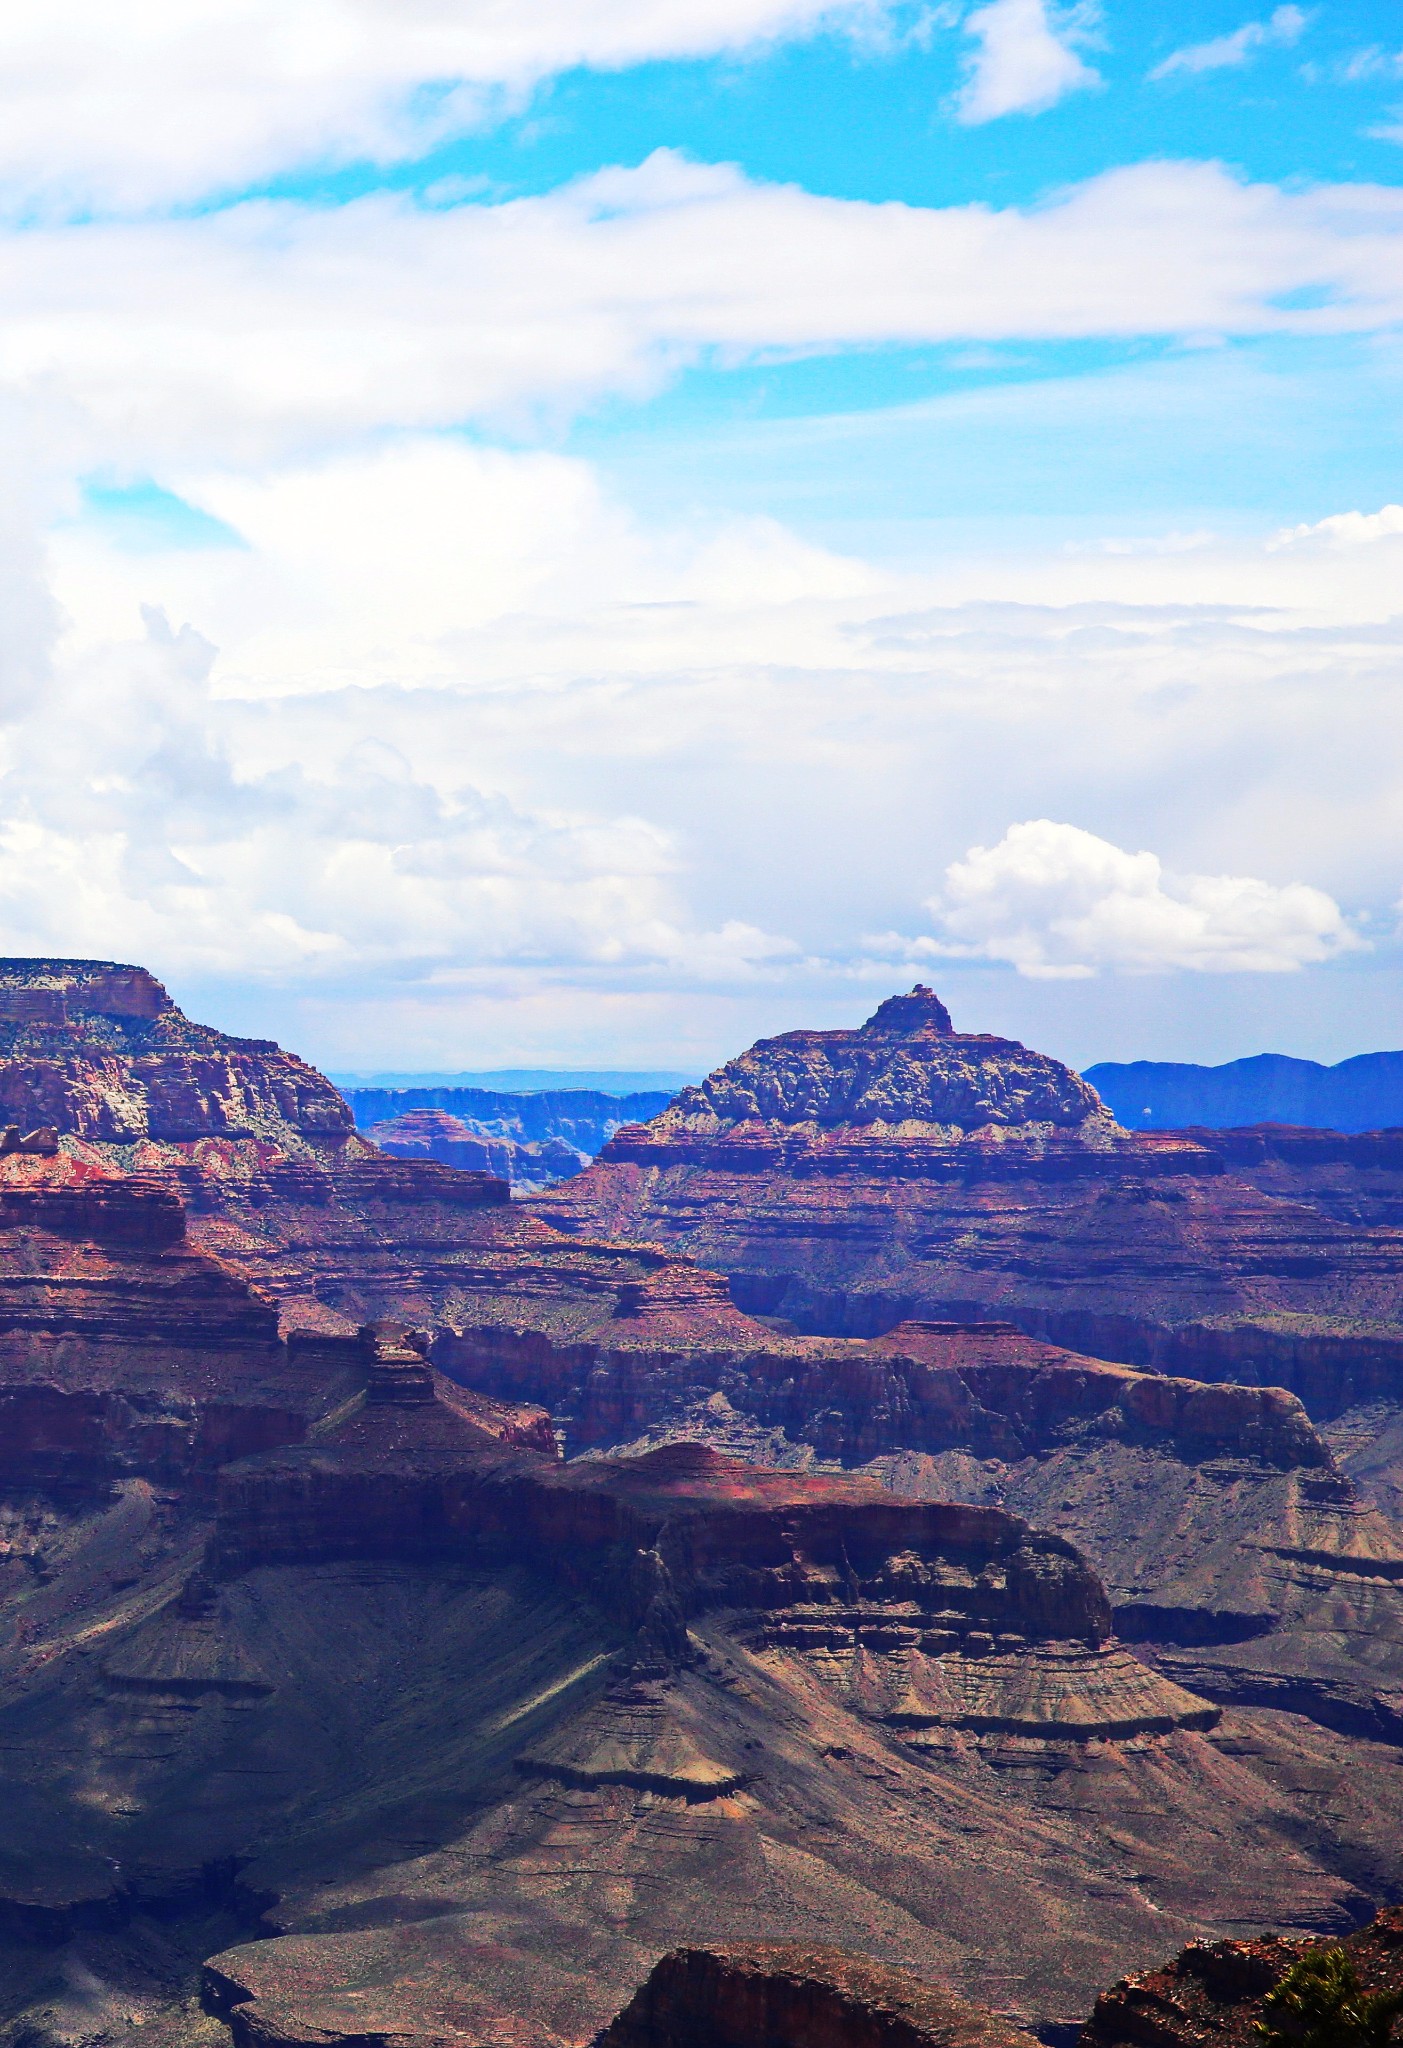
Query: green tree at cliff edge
{"type": "Point", "coordinates": [1320, 2003]}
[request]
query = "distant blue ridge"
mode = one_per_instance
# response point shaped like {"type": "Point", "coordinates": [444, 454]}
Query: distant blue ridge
{"type": "Point", "coordinates": [1360, 1094]}
{"type": "Point", "coordinates": [583, 1117]}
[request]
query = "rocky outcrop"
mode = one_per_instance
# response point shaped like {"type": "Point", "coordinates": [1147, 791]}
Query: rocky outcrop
{"type": "Point", "coordinates": [907, 1066]}
{"type": "Point", "coordinates": [275, 1181]}
{"type": "Point", "coordinates": [530, 1140]}
{"type": "Point", "coordinates": [925, 1387]}
{"type": "Point", "coordinates": [1212, 1995]}
{"type": "Point", "coordinates": [786, 1995]}
{"type": "Point", "coordinates": [101, 1051]}
{"type": "Point", "coordinates": [723, 1533]}
{"type": "Point", "coordinates": [1233, 1548]}
{"type": "Point", "coordinates": [128, 1354]}
{"type": "Point", "coordinates": [847, 1181]}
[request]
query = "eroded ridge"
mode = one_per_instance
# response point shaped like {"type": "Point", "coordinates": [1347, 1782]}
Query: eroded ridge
{"type": "Point", "coordinates": [847, 1180]}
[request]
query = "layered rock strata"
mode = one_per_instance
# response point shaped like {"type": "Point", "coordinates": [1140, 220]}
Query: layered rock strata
{"type": "Point", "coordinates": [526, 1163]}
{"type": "Point", "coordinates": [275, 1180]}
{"type": "Point", "coordinates": [846, 1181]}
{"type": "Point", "coordinates": [129, 1355]}
{"type": "Point", "coordinates": [1233, 1547]}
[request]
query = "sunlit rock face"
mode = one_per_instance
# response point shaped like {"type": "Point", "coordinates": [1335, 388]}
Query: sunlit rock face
{"type": "Point", "coordinates": [100, 1051]}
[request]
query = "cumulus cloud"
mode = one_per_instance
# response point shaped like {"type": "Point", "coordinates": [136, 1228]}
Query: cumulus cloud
{"type": "Point", "coordinates": [134, 824]}
{"type": "Point", "coordinates": [1025, 61]}
{"type": "Point", "coordinates": [473, 730]}
{"type": "Point", "coordinates": [1283, 28]}
{"type": "Point", "coordinates": [272, 326]}
{"type": "Point", "coordinates": [1344, 529]}
{"type": "Point", "coordinates": [123, 107]}
{"type": "Point", "coordinates": [1059, 903]}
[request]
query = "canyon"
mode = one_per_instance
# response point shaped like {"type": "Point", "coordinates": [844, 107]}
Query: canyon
{"type": "Point", "coordinates": [530, 1139]}
{"type": "Point", "coordinates": [427, 1614]}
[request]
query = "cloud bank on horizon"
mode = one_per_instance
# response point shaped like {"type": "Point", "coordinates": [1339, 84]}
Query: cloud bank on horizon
{"type": "Point", "coordinates": [575, 534]}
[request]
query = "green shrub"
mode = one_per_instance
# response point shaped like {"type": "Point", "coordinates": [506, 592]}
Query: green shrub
{"type": "Point", "coordinates": [1320, 2003]}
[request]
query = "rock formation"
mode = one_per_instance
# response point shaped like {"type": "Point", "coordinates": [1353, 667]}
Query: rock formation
{"type": "Point", "coordinates": [530, 1139]}
{"type": "Point", "coordinates": [1214, 1992]}
{"type": "Point", "coordinates": [320, 1669]}
{"type": "Point", "coordinates": [790, 1996]}
{"type": "Point", "coordinates": [276, 1181]}
{"type": "Point", "coordinates": [849, 1180]}
{"type": "Point", "coordinates": [1234, 1549]}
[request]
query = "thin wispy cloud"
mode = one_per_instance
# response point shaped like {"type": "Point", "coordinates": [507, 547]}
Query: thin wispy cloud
{"type": "Point", "coordinates": [118, 107]}
{"type": "Point", "coordinates": [272, 327]}
{"type": "Point", "coordinates": [1281, 30]}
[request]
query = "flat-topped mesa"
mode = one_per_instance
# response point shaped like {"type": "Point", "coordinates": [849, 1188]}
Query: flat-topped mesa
{"type": "Point", "coordinates": [906, 1065]}
{"type": "Point", "coordinates": [726, 1534]}
{"type": "Point", "coordinates": [99, 1051]}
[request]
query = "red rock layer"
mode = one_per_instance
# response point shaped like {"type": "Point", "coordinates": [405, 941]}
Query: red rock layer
{"type": "Point", "coordinates": [924, 1387]}
{"type": "Point", "coordinates": [275, 1180]}
{"type": "Point", "coordinates": [126, 1352]}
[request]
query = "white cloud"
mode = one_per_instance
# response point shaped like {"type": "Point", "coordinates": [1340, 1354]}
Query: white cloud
{"type": "Point", "coordinates": [1059, 903]}
{"type": "Point", "coordinates": [1283, 28]}
{"type": "Point", "coordinates": [171, 99]}
{"type": "Point", "coordinates": [1024, 62]}
{"type": "Point", "coordinates": [271, 327]}
{"type": "Point", "coordinates": [479, 740]}
{"type": "Point", "coordinates": [1344, 529]}
{"type": "Point", "coordinates": [131, 829]}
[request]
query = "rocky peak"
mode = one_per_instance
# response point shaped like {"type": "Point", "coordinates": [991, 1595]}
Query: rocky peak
{"type": "Point", "coordinates": [906, 1016]}
{"type": "Point", "coordinates": [907, 1065]}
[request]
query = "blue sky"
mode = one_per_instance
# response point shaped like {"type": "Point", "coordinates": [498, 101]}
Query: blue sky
{"type": "Point", "coordinates": [578, 533]}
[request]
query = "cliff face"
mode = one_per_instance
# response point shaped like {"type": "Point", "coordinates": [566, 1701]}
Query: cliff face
{"type": "Point", "coordinates": [791, 1996]}
{"type": "Point", "coordinates": [846, 1181]}
{"type": "Point", "coordinates": [128, 1355]}
{"type": "Point", "coordinates": [1233, 1548]}
{"type": "Point", "coordinates": [469, 1740]}
{"type": "Point", "coordinates": [101, 1051]}
{"type": "Point", "coordinates": [528, 1163]}
{"type": "Point", "coordinates": [276, 1183]}
{"type": "Point", "coordinates": [719, 1534]}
